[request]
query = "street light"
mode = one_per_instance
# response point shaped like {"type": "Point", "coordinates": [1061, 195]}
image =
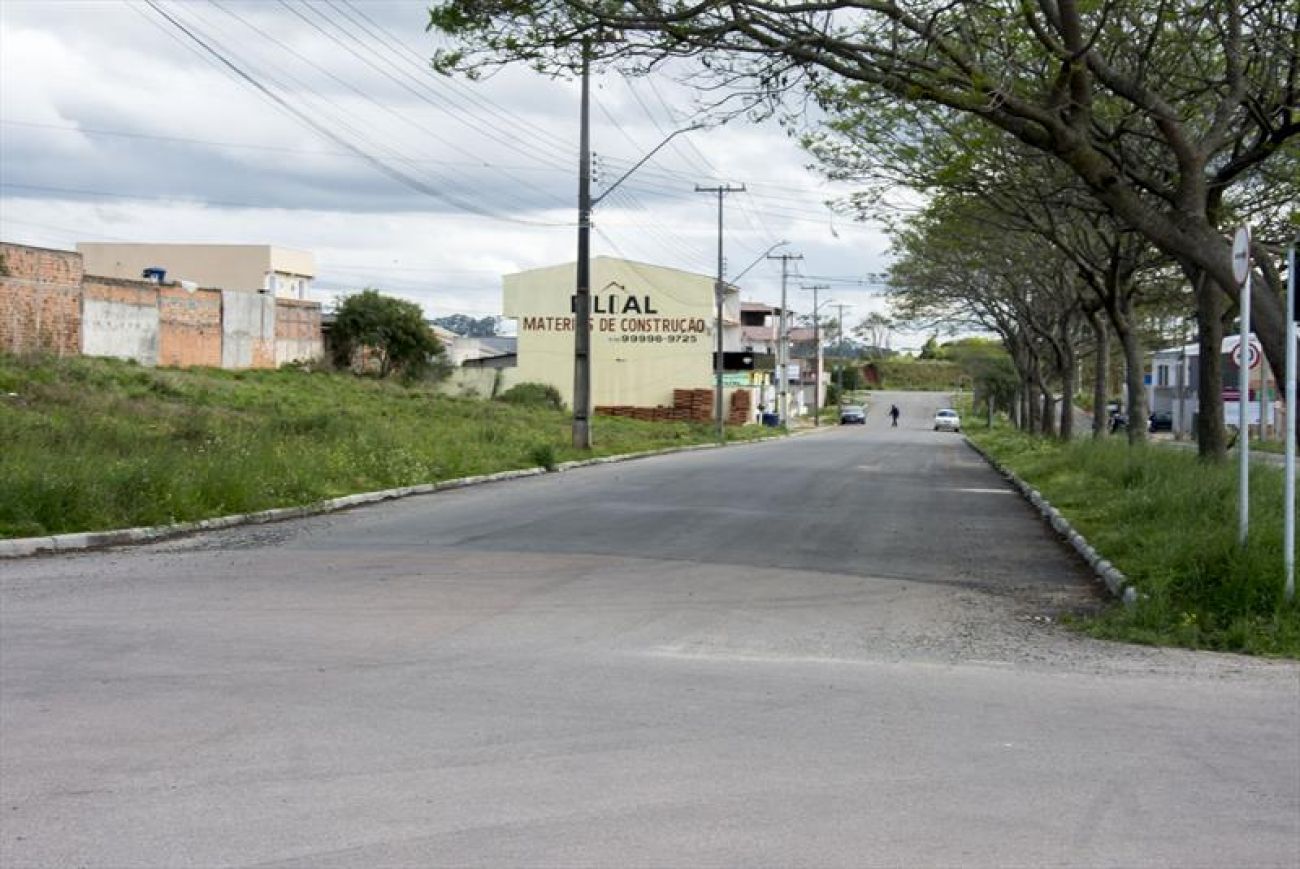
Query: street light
{"type": "Point", "coordinates": [582, 294]}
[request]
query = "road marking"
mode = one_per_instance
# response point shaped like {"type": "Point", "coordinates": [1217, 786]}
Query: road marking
{"type": "Point", "coordinates": [985, 491]}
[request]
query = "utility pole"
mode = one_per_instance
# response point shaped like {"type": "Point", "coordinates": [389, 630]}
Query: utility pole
{"type": "Point", "coordinates": [817, 345]}
{"type": "Point", "coordinates": [839, 368]}
{"type": "Point", "coordinates": [718, 291]}
{"type": "Point", "coordinates": [582, 295]}
{"type": "Point", "coordinates": [783, 343]}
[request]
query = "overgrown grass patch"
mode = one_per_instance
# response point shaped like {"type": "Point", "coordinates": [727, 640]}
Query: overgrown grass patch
{"type": "Point", "coordinates": [1169, 522]}
{"type": "Point", "coordinates": [92, 444]}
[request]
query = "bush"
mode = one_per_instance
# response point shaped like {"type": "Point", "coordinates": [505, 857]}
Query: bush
{"type": "Point", "coordinates": [533, 395]}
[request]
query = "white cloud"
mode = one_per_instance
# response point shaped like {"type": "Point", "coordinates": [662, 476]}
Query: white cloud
{"type": "Point", "coordinates": [506, 146]}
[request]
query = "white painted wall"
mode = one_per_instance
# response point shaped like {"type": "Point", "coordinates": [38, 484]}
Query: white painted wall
{"type": "Point", "coordinates": [120, 331]}
{"type": "Point", "coordinates": [246, 320]}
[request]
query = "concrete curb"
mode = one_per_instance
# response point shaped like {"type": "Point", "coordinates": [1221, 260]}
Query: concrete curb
{"type": "Point", "coordinates": [22, 547]}
{"type": "Point", "coordinates": [1115, 581]}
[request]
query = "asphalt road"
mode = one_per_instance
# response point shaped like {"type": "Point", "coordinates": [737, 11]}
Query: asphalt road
{"type": "Point", "coordinates": [833, 650]}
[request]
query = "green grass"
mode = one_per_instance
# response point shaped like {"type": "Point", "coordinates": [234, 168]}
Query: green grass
{"type": "Point", "coordinates": [1169, 522]}
{"type": "Point", "coordinates": [93, 444]}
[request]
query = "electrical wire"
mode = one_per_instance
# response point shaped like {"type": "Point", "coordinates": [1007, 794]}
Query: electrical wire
{"type": "Point", "coordinates": [379, 165]}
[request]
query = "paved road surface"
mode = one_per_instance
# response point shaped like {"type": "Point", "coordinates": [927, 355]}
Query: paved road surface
{"type": "Point", "coordinates": [836, 650]}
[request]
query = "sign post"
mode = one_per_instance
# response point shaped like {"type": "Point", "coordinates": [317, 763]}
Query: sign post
{"type": "Point", "coordinates": [1241, 273]}
{"type": "Point", "coordinates": [1288, 531]}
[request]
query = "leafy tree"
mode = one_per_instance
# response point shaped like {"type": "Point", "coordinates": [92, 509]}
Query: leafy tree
{"type": "Point", "coordinates": [874, 330]}
{"type": "Point", "coordinates": [391, 332]}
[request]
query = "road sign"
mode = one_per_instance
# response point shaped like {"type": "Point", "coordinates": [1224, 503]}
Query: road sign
{"type": "Point", "coordinates": [1241, 254]}
{"type": "Point", "coordinates": [1254, 354]}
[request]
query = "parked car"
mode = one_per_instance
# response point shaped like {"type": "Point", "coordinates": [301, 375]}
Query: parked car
{"type": "Point", "coordinates": [1161, 420]}
{"type": "Point", "coordinates": [947, 420]}
{"type": "Point", "coordinates": [853, 414]}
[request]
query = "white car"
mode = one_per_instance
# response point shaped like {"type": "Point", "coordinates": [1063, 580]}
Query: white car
{"type": "Point", "coordinates": [947, 420]}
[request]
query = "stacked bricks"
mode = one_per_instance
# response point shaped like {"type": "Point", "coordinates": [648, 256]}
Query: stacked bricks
{"type": "Point", "coordinates": [741, 407]}
{"type": "Point", "coordinates": [689, 405]}
{"type": "Point", "coordinates": [697, 404]}
{"type": "Point", "coordinates": [40, 300]}
{"type": "Point", "coordinates": [645, 414]}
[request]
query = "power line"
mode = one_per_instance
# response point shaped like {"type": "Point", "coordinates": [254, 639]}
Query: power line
{"type": "Point", "coordinates": [376, 163]}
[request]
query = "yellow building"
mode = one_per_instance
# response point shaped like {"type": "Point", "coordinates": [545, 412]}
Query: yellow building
{"type": "Point", "coordinates": [652, 329]}
{"type": "Point", "coordinates": [278, 271]}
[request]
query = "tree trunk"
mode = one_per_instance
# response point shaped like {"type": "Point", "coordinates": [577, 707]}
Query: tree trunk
{"type": "Point", "coordinates": [1048, 418]}
{"type": "Point", "coordinates": [1211, 439]}
{"type": "Point", "coordinates": [1137, 390]}
{"type": "Point", "coordinates": [1100, 376]}
{"type": "Point", "coordinates": [1068, 388]}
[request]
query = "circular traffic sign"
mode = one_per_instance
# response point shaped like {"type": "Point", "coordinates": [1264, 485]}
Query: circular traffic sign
{"type": "Point", "coordinates": [1253, 354]}
{"type": "Point", "coordinates": [1241, 254]}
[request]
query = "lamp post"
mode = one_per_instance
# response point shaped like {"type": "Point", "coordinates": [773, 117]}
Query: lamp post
{"type": "Point", "coordinates": [582, 291]}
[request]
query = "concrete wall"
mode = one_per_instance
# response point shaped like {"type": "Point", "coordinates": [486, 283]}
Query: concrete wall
{"type": "Point", "coordinates": [40, 300]}
{"type": "Point", "coordinates": [297, 331]}
{"type": "Point", "coordinates": [247, 330]}
{"type": "Point", "coordinates": [652, 330]}
{"type": "Point", "coordinates": [119, 319]}
{"type": "Point", "coordinates": [479, 381]}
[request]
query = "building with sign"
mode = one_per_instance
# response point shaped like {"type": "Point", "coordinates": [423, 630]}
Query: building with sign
{"type": "Point", "coordinates": [652, 330]}
{"type": "Point", "coordinates": [1173, 386]}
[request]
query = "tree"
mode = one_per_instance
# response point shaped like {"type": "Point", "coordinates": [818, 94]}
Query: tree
{"type": "Point", "coordinates": [1174, 119]}
{"type": "Point", "coordinates": [391, 332]}
{"type": "Point", "coordinates": [874, 330]}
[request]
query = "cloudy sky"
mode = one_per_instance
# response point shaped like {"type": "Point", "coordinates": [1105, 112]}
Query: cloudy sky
{"type": "Point", "coordinates": [318, 126]}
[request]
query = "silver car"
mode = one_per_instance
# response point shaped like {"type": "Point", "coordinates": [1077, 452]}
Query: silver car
{"type": "Point", "coordinates": [947, 420]}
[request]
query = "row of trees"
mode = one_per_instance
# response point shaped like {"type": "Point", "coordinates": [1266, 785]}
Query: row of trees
{"type": "Point", "coordinates": [1080, 162]}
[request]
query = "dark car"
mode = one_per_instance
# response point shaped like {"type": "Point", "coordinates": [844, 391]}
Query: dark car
{"type": "Point", "coordinates": [1161, 420]}
{"type": "Point", "coordinates": [852, 414]}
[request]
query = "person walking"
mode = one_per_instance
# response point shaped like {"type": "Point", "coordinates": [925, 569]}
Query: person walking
{"type": "Point", "coordinates": [894, 413]}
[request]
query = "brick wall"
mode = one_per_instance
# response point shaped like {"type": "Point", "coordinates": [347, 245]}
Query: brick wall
{"type": "Point", "coordinates": [48, 305]}
{"type": "Point", "coordinates": [190, 325]}
{"type": "Point", "coordinates": [297, 331]}
{"type": "Point", "coordinates": [40, 300]}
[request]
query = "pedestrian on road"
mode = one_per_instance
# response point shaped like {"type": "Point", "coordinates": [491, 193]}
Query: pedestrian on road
{"type": "Point", "coordinates": [894, 414]}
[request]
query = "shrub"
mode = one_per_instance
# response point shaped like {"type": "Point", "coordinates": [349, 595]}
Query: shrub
{"type": "Point", "coordinates": [533, 395]}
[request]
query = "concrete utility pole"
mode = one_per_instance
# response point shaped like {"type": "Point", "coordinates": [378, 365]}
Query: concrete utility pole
{"type": "Point", "coordinates": [719, 293]}
{"type": "Point", "coordinates": [582, 294]}
{"type": "Point", "coordinates": [783, 343]}
{"type": "Point", "coordinates": [817, 346]}
{"type": "Point", "coordinates": [839, 369]}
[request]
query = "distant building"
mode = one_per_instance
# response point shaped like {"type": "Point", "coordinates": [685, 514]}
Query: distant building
{"type": "Point", "coordinates": [488, 351]}
{"type": "Point", "coordinates": [276, 271]}
{"type": "Point", "coordinates": [1174, 381]}
{"type": "Point", "coordinates": [652, 331]}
